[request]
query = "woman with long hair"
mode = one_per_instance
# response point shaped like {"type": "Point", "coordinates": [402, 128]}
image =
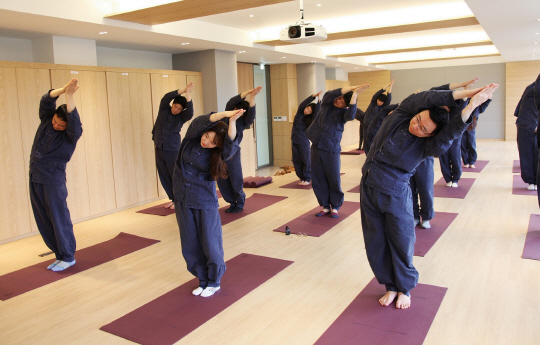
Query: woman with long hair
{"type": "Point", "coordinates": [200, 162]}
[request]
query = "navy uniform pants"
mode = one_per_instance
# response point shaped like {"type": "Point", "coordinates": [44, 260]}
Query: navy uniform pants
{"type": "Point", "coordinates": [528, 154]}
{"type": "Point", "coordinates": [53, 219]}
{"type": "Point", "coordinates": [468, 147]}
{"type": "Point", "coordinates": [302, 161]}
{"type": "Point", "coordinates": [451, 162]}
{"type": "Point", "coordinates": [422, 188]}
{"type": "Point", "coordinates": [325, 168]}
{"type": "Point", "coordinates": [202, 243]}
{"type": "Point", "coordinates": [165, 167]}
{"type": "Point", "coordinates": [389, 236]}
{"type": "Point", "coordinates": [232, 188]}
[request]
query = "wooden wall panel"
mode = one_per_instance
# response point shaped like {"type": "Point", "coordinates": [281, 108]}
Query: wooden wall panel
{"type": "Point", "coordinates": [99, 161]}
{"type": "Point", "coordinates": [284, 103]}
{"type": "Point", "coordinates": [143, 146]}
{"type": "Point", "coordinates": [125, 181]}
{"type": "Point", "coordinates": [248, 145]}
{"type": "Point", "coordinates": [518, 76]}
{"type": "Point", "coordinates": [76, 175]}
{"type": "Point", "coordinates": [31, 85]}
{"type": "Point", "coordinates": [14, 211]}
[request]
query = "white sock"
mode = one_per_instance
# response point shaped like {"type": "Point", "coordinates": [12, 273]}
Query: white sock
{"type": "Point", "coordinates": [53, 264]}
{"type": "Point", "coordinates": [62, 265]}
{"type": "Point", "coordinates": [449, 184]}
{"type": "Point", "coordinates": [425, 224]}
{"type": "Point", "coordinates": [454, 184]}
{"type": "Point", "coordinates": [531, 187]}
{"type": "Point", "coordinates": [197, 291]}
{"type": "Point", "coordinates": [209, 291]}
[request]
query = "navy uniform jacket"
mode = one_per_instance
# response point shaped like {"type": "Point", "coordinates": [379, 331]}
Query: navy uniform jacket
{"type": "Point", "coordinates": [359, 115]}
{"type": "Point", "coordinates": [244, 121]}
{"type": "Point", "coordinates": [166, 131]}
{"type": "Point", "coordinates": [396, 153]}
{"type": "Point", "coordinates": [526, 111]}
{"type": "Point", "coordinates": [537, 93]}
{"type": "Point", "coordinates": [327, 127]}
{"type": "Point", "coordinates": [193, 183]}
{"type": "Point", "coordinates": [481, 108]}
{"type": "Point", "coordinates": [376, 123]}
{"type": "Point", "coordinates": [373, 109]}
{"type": "Point", "coordinates": [52, 149]}
{"type": "Point", "coordinates": [298, 132]}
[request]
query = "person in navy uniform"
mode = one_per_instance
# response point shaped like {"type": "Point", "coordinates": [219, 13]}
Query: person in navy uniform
{"type": "Point", "coordinates": [232, 187]}
{"type": "Point", "coordinates": [378, 102]}
{"type": "Point", "coordinates": [417, 129]}
{"type": "Point", "coordinates": [338, 106]}
{"type": "Point", "coordinates": [300, 143]}
{"type": "Point", "coordinates": [527, 123]}
{"type": "Point", "coordinates": [166, 134]}
{"type": "Point", "coordinates": [54, 144]}
{"type": "Point", "coordinates": [468, 140]}
{"type": "Point", "coordinates": [207, 144]}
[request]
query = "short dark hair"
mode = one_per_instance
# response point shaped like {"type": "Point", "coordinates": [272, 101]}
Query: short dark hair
{"type": "Point", "coordinates": [382, 98]}
{"type": "Point", "coordinates": [347, 97]}
{"type": "Point", "coordinates": [440, 117]}
{"type": "Point", "coordinates": [242, 105]}
{"type": "Point", "coordinates": [312, 106]}
{"type": "Point", "coordinates": [180, 100]}
{"type": "Point", "coordinates": [61, 112]}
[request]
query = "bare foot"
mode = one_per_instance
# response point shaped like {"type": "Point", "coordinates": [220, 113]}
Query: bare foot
{"type": "Point", "coordinates": [170, 205]}
{"type": "Point", "coordinates": [388, 298]}
{"type": "Point", "coordinates": [304, 183]}
{"type": "Point", "coordinates": [403, 301]}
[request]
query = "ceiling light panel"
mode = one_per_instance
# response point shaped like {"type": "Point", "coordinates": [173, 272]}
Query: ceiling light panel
{"type": "Point", "coordinates": [433, 54]}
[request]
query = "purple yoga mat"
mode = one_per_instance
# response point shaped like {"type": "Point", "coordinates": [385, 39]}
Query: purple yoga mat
{"type": "Point", "coordinates": [33, 277]}
{"type": "Point", "coordinates": [516, 167]}
{"type": "Point", "coordinates": [426, 238]}
{"type": "Point", "coordinates": [260, 182]}
{"type": "Point", "coordinates": [253, 204]}
{"type": "Point", "coordinates": [295, 185]}
{"type": "Point", "coordinates": [478, 167]}
{"type": "Point", "coordinates": [314, 226]}
{"type": "Point", "coordinates": [366, 322]}
{"type": "Point", "coordinates": [354, 190]}
{"type": "Point", "coordinates": [531, 249]}
{"type": "Point", "coordinates": [247, 181]}
{"type": "Point", "coordinates": [352, 152]}
{"type": "Point", "coordinates": [520, 188]}
{"type": "Point", "coordinates": [464, 185]}
{"type": "Point", "coordinates": [158, 210]}
{"type": "Point", "coordinates": [174, 315]}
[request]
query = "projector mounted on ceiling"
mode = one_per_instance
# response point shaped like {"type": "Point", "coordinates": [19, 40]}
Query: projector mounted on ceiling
{"type": "Point", "coordinates": [302, 32]}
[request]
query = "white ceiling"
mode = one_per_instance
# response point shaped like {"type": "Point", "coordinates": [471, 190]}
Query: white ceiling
{"type": "Point", "coordinates": [512, 26]}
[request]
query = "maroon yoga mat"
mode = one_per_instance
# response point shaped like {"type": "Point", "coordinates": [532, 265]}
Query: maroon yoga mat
{"type": "Point", "coordinates": [464, 185]}
{"type": "Point", "coordinates": [478, 167]}
{"type": "Point", "coordinates": [426, 238]}
{"type": "Point", "coordinates": [520, 188]}
{"type": "Point", "coordinates": [312, 225]}
{"type": "Point", "coordinates": [295, 185]}
{"type": "Point", "coordinates": [352, 152]}
{"type": "Point", "coordinates": [177, 313]}
{"type": "Point", "coordinates": [158, 210]}
{"type": "Point", "coordinates": [516, 167]}
{"type": "Point", "coordinates": [33, 277]}
{"type": "Point", "coordinates": [247, 181]}
{"type": "Point", "coordinates": [354, 190]}
{"type": "Point", "coordinates": [253, 204]}
{"type": "Point", "coordinates": [366, 322]}
{"type": "Point", "coordinates": [261, 181]}
{"type": "Point", "coordinates": [531, 249]}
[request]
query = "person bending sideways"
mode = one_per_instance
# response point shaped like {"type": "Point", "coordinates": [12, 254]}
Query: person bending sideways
{"type": "Point", "coordinates": [54, 144]}
{"type": "Point", "coordinates": [417, 129]}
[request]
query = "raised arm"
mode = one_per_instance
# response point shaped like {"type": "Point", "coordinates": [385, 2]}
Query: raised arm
{"type": "Point", "coordinates": [356, 91]}
{"type": "Point", "coordinates": [74, 126]}
{"type": "Point", "coordinates": [477, 98]}
{"type": "Point", "coordinates": [187, 113]}
{"type": "Point", "coordinates": [389, 86]}
{"type": "Point", "coordinates": [466, 84]}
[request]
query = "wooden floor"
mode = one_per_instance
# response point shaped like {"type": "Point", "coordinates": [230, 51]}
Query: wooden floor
{"type": "Point", "coordinates": [493, 294]}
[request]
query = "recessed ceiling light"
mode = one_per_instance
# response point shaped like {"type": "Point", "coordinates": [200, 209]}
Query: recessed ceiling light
{"type": "Point", "coordinates": [103, 32]}
{"type": "Point", "coordinates": [319, 5]}
{"type": "Point", "coordinates": [251, 16]}
{"type": "Point", "coordinates": [535, 42]}
{"type": "Point", "coordinates": [369, 69]}
{"type": "Point", "coordinates": [338, 65]}
{"type": "Point", "coordinates": [284, 57]}
{"type": "Point", "coordinates": [538, 33]}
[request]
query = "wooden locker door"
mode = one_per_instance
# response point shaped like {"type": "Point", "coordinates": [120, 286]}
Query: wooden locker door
{"type": "Point", "coordinates": [248, 145]}
{"type": "Point", "coordinates": [76, 175]}
{"type": "Point", "coordinates": [99, 161]}
{"type": "Point", "coordinates": [142, 123]}
{"type": "Point", "coordinates": [31, 85]}
{"type": "Point", "coordinates": [124, 167]}
{"type": "Point", "coordinates": [160, 86]}
{"type": "Point", "coordinates": [179, 81]}
{"type": "Point", "coordinates": [14, 212]}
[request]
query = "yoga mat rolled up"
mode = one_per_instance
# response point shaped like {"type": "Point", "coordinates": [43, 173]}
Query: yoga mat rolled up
{"type": "Point", "coordinates": [261, 182]}
{"type": "Point", "coordinates": [169, 318]}
{"type": "Point", "coordinates": [33, 277]}
{"type": "Point", "coordinates": [247, 181]}
{"type": "Point", "coordinates": [366, 322]}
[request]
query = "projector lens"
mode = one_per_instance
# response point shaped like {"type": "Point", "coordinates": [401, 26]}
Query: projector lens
{"type": "Point", "coordinates": [295, 31]}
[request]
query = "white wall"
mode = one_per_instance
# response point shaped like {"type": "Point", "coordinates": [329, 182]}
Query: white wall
{"type": "Point", "coordinates": [113, 57]}
{"type": "Point", "coordinates": [15, 49]}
